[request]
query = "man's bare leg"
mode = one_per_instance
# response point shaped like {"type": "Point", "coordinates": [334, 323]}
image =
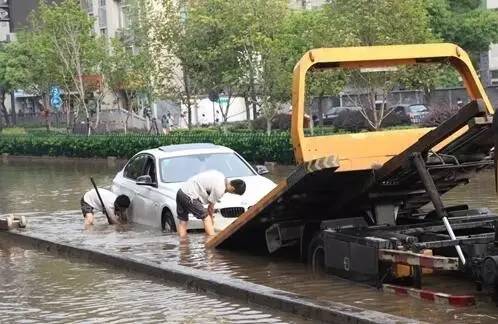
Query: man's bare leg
{"type": "Point", "coordinates": [209, 225]}
{"type": "Point", "coordinates": [89, 219]}
{"type": "Point", "coordinates": [182, 228]}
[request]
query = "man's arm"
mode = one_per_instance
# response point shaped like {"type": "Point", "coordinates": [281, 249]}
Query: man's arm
{"type": "Point", "coordinates": [113, 220]}
{"type": "Point", "coordinates": [210, 209]}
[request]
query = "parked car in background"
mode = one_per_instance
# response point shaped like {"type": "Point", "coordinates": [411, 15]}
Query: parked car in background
{"type": "Point", "coordinates": [332, 113]}
{"type": "Point", "coordinates": [152, 178]}
{"type": "Point", "coordinates": [411, 114]}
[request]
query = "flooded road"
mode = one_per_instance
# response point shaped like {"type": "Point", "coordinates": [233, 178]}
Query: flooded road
{"type": "Point", "coordinates": [51, 192]}
{"type": "Point", "coordinates": [37, 287]}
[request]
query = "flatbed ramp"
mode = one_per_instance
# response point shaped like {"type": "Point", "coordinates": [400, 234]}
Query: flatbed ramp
{"type": "Point", "coordinates": [318, 191]}
{"type": "Point", "coordinates": [307, 180]}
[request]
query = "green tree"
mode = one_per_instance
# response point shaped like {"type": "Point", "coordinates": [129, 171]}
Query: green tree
{"type": "Point", "coordinates": [119, 76]}
{"type": "Point", "coordinates": [65, 32]}
{"type": "Point", "coordinates": [5, 87]}
{"type": "Point", "coordinates": [303, 31]}
{"type": "Point", "coordinates": [58, 49]}
{"type": "Point", "coordinates": [171, 40]}
{"type": "Point", "coordinates": [214, 52]}
{"type": "Point", "coordinates": [31, 68]}
{"type": "Point", "coordinates": [239, 49]}
{"type": "Point", "coordinates": [377, 22]}
{"type": "Point", "coordinates": [464, 22]}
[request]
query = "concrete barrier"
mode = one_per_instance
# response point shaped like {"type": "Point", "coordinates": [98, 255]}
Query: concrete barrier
{"type": "Point", "coordinates": [219, 284]}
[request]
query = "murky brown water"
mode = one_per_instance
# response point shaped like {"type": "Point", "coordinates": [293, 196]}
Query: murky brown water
{"type": "Point", "coordinates": [37, 287]}
{"type": "Point", "coordinates": [53, 191]}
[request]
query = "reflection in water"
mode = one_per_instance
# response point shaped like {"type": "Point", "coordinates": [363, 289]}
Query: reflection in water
{"type": "Point", "coordinates": [56, 221]}
{"type": "Point", "coordinates": [48, 186]}
{"type": "Point", "coordinates": [37, 288]}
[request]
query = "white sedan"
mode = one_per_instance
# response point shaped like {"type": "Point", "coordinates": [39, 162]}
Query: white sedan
{"type": "Point", "coordinates": [152, 178]}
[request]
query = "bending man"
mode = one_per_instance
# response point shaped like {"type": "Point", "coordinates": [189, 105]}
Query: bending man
{"type": "Point", "coordinates": [204, 188]}
{"type": "Point", "coordinates": [115, 206]}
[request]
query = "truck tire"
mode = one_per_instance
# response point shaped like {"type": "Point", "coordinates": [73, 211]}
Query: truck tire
{"type": "Point", "coordinates": [316, 254]}
{"type": "Point", "coordinates": [168, 222]}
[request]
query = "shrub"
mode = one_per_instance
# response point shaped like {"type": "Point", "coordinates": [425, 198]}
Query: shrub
{"type": "Point", "coordinates": [13, 131]}
{"type": "Point", "coordinates": [439, 113]}
{"type": "Point", "coordinates": [255, 147]}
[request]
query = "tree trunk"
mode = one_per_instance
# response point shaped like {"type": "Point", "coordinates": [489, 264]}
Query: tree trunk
{"type": "Point", "coordinates": [320, 110]}
{"type": "Point", "coordinates": [189, 114]}
{"type": "Point", "coordinates": [68, 113]}
{"type": "Point", "coordinates": [97, 118]}
{"type": "Point", "coordinates": [46, 110]}
{"type": "Point", "coordinates": [427, 96]}
{"type": "Point", "coordinates": [3, 109]}
{"type": "Point", "coordinates": [268, 126]}
{"type": "Point", "coordinates": [248, 112]}
{"type": "Point", "coordinates": [13, 112]}
{"type": "Point", "coordinates": [186, 85]}
{"type": "Point", "coordinates": [254, 99]}
{"type": "Point", "coordinates": [308, 108]}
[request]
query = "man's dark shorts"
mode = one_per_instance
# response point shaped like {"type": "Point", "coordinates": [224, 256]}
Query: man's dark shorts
{"type": "Point", "coordinates": [186, 205]}
{"type": "Point", "coordinates": [85, 208]}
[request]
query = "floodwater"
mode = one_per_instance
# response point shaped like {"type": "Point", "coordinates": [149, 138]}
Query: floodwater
{"type": "Point", "coordinates": [50, 193]}
{"type": "Point", "coordinates": [37, 287]}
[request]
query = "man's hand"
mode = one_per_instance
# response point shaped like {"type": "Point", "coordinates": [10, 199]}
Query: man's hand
{"type": "Point", "coordinates": [211, 210]}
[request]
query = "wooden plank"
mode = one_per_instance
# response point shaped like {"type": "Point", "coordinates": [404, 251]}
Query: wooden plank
{"type": "Point", "coordinates": [473, 109]}
{"type": "Point", "coordinates": [329, 162]}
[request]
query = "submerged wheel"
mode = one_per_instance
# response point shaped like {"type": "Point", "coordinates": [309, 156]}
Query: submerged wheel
{"type": "Point", "coordinates": [316, 254]}
{"type": "Point", "coordinates": [168, 222]}
{"type": "Point", "coordinates": [22, 222]}
{"type": "Point", "coordinates": [10, 221]}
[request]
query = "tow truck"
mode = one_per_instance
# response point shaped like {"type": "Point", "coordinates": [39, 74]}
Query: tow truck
{"type": "Point", "coordinates": [353, 204]}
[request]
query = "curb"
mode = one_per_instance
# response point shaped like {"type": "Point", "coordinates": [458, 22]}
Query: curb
{"type": "Point", "coordinates": [436, 297]}
{"type": "Point", "coordinates": [219, 284]}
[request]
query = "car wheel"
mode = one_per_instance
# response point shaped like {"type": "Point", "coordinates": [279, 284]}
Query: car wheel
{"type": "Point", "coordinates": [168, 222]}
{"type": "Point", "coordinates": [316, 254]}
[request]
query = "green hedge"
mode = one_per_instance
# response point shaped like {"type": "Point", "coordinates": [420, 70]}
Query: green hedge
{"type": "Point", "coordinates": [253, 146]}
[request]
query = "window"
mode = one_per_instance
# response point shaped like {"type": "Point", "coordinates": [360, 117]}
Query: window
{"type": "Point", "coordinates": [124, 21]}
{"type": "Point", "coordinates": [418, 108]}
{"type": "Point", "coordinates": [150, 169]}
{"type": "Point", "coordinates": [135, 167]}
{"type": "Point", "coordinates": [88, 6]}
{"type": "Point", "coordinates": [179, 169]}
{"type": "Point", "coordinates": [102, 14]}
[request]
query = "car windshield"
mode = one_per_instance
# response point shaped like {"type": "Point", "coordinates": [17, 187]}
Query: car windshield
{"type": "Point", "coordinates": [180, 168]}
{"type": "Point", "coordinates": [418, 108]}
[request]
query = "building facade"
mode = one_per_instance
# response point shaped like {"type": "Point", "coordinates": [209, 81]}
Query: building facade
{"type": "Point", "coordinates": [492, 55]}
{"type": "Point", "coordinates": [110, 15]}
{"type": "Point", "coordinates": [306, 4]}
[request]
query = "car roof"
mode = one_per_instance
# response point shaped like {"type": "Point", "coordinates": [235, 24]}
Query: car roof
{"type": "Point", "coordinates": [183, 147]}
{"type": "Point", "coordinates": [187, 149]}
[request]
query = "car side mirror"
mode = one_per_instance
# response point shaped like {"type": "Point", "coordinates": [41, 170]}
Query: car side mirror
{"type": "Point", "coordinates": [144, 180]}
{"type": "Point", "coordinates": [261, 169]}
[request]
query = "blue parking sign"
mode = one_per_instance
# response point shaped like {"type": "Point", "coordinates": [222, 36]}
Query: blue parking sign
{"type": "Point", "coordinates": [55, 98]}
